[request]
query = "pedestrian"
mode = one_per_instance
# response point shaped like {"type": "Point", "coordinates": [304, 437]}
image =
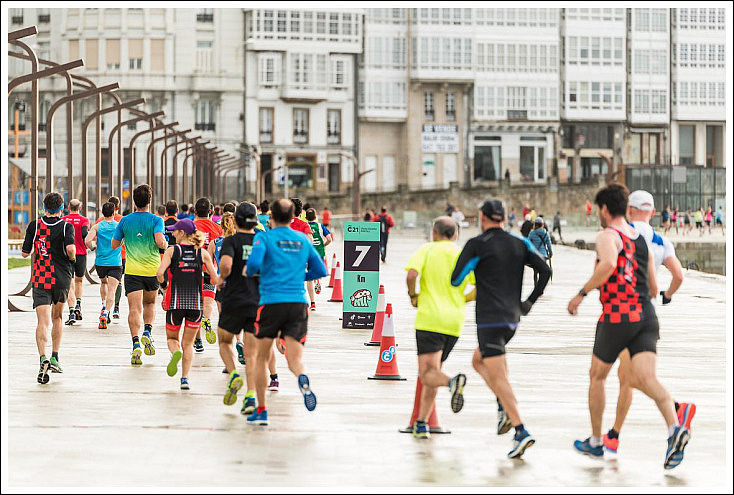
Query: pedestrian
{"type": "Point", "coordinates": [709, 218]}
{"type": "Point", "coordinates": [108, 262]}
{"type": "Point", "coordinates": [321, 238]}
{"type": "Point", "coordinates": [527, 226]}
{"type": "Point", "coordinates": [143, 234]}
{"type": "Point", "coordinates": [118, 293]}
{"type": "Point", "coordinates": [440, 317]}
{"type": "Point", "coordinates": [183, 300]}
{"type": "Point", "coordinates": [367, 216]}
{"type": "Point", "coordinates": [525, 210]}
{"type": "Point", "coordinates": [674, 219]}
{"type": "Point", "coordinates": [386, 223]}
{"type": "Point", "coordinates": [264, 215]}
{"type": "Point", "coordinates": [458, 216]}
{"type": "Point", "coordinates": [512, 218]}
{"type": "Point", "coordinates": [81, 229]}
{"type": "Point", "coordinates": [498, 260]}
{"type": "Point", "coordinates": [210, 231]}
{"type": "Point", "coordinates": [284, 259]}
{"type": "Point", "coordinates": [665, 219]}
{"type": "Point", "coordinates": [641, 208]}
{"type": "Point", "coordinates": [557, 225]}
{"type": "Point", "coordinates": [541, 241]}
{"type": "Point", "coordinates": [507, 175]}
{"type": "Point", "coordinates": [326, 217]}
{"type": "Point", "coordinates": [625, 276]}
{"type": "Point", "coordinates": [170, 219]}
{"type": "Point", "coordinates": [51, 241]}
{"type": "Point", "coordinates": [588, 213]}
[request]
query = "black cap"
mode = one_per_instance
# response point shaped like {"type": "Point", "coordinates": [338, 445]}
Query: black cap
{"type": "Point", "coordinates": [245, 213]}
{"type": "Point", "coordinates": [493, 209]}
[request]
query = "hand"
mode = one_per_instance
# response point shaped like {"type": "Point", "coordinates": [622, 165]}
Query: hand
{"type": "Point", "coordinates": [573, 304]}
{"type": "Point", "coordinates": [472, 296]}
{"type": "Point", "coordinates": [666, 300]}
{"type": "Point", "coordinates": [525, 307]}
{"type": "Point", "coordinates": [414, 300]}
{"type": "Point", "coordinates": [164, 284]}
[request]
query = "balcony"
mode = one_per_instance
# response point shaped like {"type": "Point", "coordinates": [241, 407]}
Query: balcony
{"type": "Point", "coordinates": [44, 18]}
{"type": "Point", "coordinates": [517, 115]}
{"type": "Point", "coordinates": [205, 126]}
{"type": "Point", "coordinates": [300, 137]}
{"type": "Point", "coordinates": [300, 92]}
{"type": "Point", "coordinates": [204, 17]}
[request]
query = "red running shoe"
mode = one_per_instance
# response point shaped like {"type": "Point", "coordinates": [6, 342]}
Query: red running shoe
{"type": "Point", "coordinates": [686, 411]}
{"type": "Point", "coordinates": [611, 444]}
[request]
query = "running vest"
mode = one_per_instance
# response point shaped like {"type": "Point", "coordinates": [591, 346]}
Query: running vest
{"type": "Point", "coordinates": [618, 295]}
{"type": "Point", "coordinates": [318, 240]}
{"type": "Point", "coordinates": [106, 256]}
{"type": "Point", "coordinates": [43, 267]}
{"type": "Point", "coordinates": [185, 279]}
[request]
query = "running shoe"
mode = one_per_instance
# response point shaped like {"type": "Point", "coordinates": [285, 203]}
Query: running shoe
{"type": "Point", "coordinates": [43, 372]}
{"type": "Point", "coordinates": [610, 444]}
{"type": "Point", "coordinates": [224, 371]}
{"type": "Point", "coordinates": [147, 342]}
{"type": "Point", "coordinates": [248, 406]}
{"type": "Point", "coordinates": [274, 385]}
{"type": "Point", "coordinates": [317, 287]}
{"type": "Point", "coordinates": [102, 322]}
{"type": "Point", "coordinates": [172, 367]}
{"type": "Point", "coordinates": [520, 443]}
{"type": "Point", "coordinates": [686, 411]}
{"type": "Point", "coordinates": [309, 398]}
{"type": "Point", "coordinates": [235, 383]}
{"type": "Point", "coordinates": [241, 353]}
{"type": "Point", "coordinates": [198, 345]}
{"type": "Point", "coordinates": [676, 445]}
{"type": "Point", "coordinates": [206, 324]}
{"type": "Point", "coordinates": [313, 306]}
{"type": "Point", "coordinates": [503, 422]}
{"type": "Point", "coordinates": [456, 387]}
{"type": "Point", "coordinates": [116, 313]}
{"type": "Point", "coordinates": [71, 319]}
{"type": "Point", "coordinates": [136, 360]}
{"type": "Point", "coordinates": [256, 418]}
{"type": "Point", "coordinates": [421, 430]}
{"type": "Point", "coordinates": [185, 384]}
{"type": "Point", "coordinates": [55, 366]}
{"type": "Point", "coordinates": [78, 313]}
{"type": "Point", "coordinates": [584, 447]}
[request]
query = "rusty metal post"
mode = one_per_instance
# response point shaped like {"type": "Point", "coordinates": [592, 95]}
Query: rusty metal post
{"type": "Point", "coordinates": [120, 168]}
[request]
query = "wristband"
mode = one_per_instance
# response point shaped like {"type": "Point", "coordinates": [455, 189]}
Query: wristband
{"type": "Point", "coordinates": [582, 292]}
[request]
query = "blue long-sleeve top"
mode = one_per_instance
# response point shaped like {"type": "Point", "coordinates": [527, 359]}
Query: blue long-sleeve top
{"type": "Point", "coordinates": [285, 259]}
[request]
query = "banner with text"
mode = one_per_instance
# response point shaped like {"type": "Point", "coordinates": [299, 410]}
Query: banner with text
{"type": "Point", "coordinates": [440, 138]}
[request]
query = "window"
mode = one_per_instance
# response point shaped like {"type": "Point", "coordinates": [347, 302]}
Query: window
{"type": "Point", "coordinates": [113, 53]}
{"type": "Point", "coordinates": [451, 107]}
{"type": "Point", "coordinates": [320, 23]}
{"type": "Point", "coordinates": [642, 19]}
{"type": "Point", "coordinates": [282, 23]}
{"type": "Point", "coordinates": [295, 22]}
{"type": "Point", "coordinates": [300, 125]}
{"type": "Point", "coordinates": [642, 61]}
{"type": "Point", "coordinates": [157, 55]}
{"type": "Point", "coordinates": [686, 144]}
{"type": "Point", "coordinates": [135, 53]}
{"type": "Point", "coordinates": [204, 115]}
{"type": "Point", "coordinates": [333, 127]}
{"type": "Point", "coordinates": [266, 125]}
{"type": "Point", "coordinates": [16, 16]}
{"type": "Point", "coordinates": [428, 105]}
{"type": "Point", "coordinates": [268, 21]}
{"type": "Point", "coordinates": [269, 70]}
{"type": "Point", "coordinates": [20, 106]}
{"type": "Point", "coordinates": [659, 20]}
{"type": "Point", "coordinates": [205, 15]}
{"type": "Point", "coordinates": [333, 23]}
{"type": "Point", "coordinates": [338, 74]}
{"type": "Point", "coordinates": [572, 95]}
{"type": "Point", "coordinates": [487, 163]}
{"type": "Point", "coordinates": [44, 16]}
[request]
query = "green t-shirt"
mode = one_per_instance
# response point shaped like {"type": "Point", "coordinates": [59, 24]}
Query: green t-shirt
{"type": "Point", "coordinates": [441, 306]}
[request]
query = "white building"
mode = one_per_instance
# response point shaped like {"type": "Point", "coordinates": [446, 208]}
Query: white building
{"type": "Point", "coordinates": [300, 94]}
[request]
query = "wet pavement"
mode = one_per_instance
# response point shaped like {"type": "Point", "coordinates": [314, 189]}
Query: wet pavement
{"type": "Point", "coordinates": [103, 422]}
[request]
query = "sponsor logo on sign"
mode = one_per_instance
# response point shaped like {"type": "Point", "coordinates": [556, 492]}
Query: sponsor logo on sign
{"type": "Point", "coordinates": [386, 356]}
{"type": "Point", "coordinates": [361, 298]}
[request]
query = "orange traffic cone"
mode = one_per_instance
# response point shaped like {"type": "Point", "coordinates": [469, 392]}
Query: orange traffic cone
{"type": "Point", "coordinates": [387, 364]}
{"type": "Point", "coordinates": [333, 272]}
{"type": "Point", "coordinates": [433, 424]}
{"type": "Point", "coordinates": [336, 294]}
{"type": "Point", "coordinates": [379, 318]}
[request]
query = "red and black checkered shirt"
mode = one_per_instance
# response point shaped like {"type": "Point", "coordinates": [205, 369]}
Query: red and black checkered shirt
{"type": "Point", "coordinates": [618, 295]}
{"type": "Point", "coordinates": [47, 238]}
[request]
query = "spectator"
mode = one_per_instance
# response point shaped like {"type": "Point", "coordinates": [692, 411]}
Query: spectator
{"type": "Point", "coordinates": [541, 242]}
{"type": "Point", "coordinates": [526, 226]}
{"type": "Point", "coordinates": [386, 223]}
{"type": "Point", "coordinates": [557, 224]}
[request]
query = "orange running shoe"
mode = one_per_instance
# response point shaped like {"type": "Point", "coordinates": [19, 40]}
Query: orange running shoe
{"type": "Point", "coordinates": [103, 322]}
{"type": "Point", "coordinates": [686, 411]}
{"type": "Point", "coordinates": [611, 444]}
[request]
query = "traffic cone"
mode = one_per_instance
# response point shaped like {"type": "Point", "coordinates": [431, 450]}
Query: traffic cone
{"type": "Point", "coordinates": [433, 424]}
{"type": "Point", "coordinates": [379, 318]}
{"type": "Point", "coordinates": [387, 364]}
{"type": "Point", "coordinates": [336, 294]}
{"type": "Point", "coordinates": [333, 272]}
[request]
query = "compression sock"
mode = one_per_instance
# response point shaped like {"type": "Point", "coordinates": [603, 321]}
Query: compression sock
{"type": "Point", "coordinates": [671, 429]}
{"type": "Point", "coordinates": [250, 394]}
{"type": "Point", "coordinates": [613, 434]}
{"type": "Point", "coordinates": [136, 341]}
{"type": "Point", "coordinates": [274, 377]}
{"type": "Point", "coordinates": [55, 355]}
{"type": "Point", "coordinates": [43, 358]}
{"type": "Point", "coordinates": [118, 295]}
{"type": "Point", "coordinates": [147, 328]}
{"type": "Point", "coordinates": [78, 302]}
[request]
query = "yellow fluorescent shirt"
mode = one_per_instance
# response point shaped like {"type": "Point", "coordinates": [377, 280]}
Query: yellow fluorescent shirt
{"type": "Point", "coordinates": [441, 307]}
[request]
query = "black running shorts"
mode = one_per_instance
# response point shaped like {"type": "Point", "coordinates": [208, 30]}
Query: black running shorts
{"type": "Point", "coordinates": [234, 320]}
{"type": "Point", "coordinates": [282, 319]}
{"type": "Point", "coordinates": [109, 271]}
{"type": "Point", "coordinates": [43, 297]}
{"type": "Point", "coordinates": [174, 318]}
{"type": "Point", "coordinates": [134, 283]}
{"type": "Point", "coordinates": [80, 265]}
{"type": "Point", "coordinates": [493, 337]}
{"type": "Point", "coordinates": [639, 336]}
{"type": "Point", "coordinates": [429, 342]}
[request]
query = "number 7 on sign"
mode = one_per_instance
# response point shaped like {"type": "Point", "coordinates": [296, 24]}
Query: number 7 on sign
{"type": "Point", "coordinates": [363, 250]}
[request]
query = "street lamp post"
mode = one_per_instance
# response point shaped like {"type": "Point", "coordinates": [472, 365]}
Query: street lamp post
{"type": "Point", "coordinates": [118, 127]}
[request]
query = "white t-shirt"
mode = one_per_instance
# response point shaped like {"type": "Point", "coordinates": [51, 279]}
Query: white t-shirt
{"type": "Point", "coordinates": [662, 248]}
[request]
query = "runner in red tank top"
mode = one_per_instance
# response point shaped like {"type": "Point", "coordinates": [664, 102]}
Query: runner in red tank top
{"type": "Point", "coordinates": [81, 229]}
{"type": "Point", "coordinates": [210, 232]}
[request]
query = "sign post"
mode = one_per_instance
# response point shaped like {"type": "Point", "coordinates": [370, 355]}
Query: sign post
{"type": "Point", "coordinates": [361, 275]}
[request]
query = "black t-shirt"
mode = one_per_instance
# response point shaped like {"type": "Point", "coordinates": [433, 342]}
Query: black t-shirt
{"type": "Point", "coordinates": [239, 289]}
{"type": "Point", "coordinates": [50, 249]}
{"type": "Point", "coordinates": [168, 221]}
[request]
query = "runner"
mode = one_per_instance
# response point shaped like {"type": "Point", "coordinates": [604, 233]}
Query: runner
{"type": "Point", "coordinates": [184, 212]}
{"type": "Point", "coordinates": [284, 259]}
{"type": "Point", "coordinates": [541, 241]}
{"type": "Point", "coordinates": [81, 228]}
{"type": "Point", "coordinates": [217, 217]}
{"type": "Point", "coordinates": [386, 223]}
{"type": "Point", "coordinates": [687, 222]}
{"type": "Point", "coordinates": [169, 220]}
{"type": "Point", "coordinates": [641, 210]}
{"type": "Point", "coordinates": [118, 293]}
{"type": "Point", "coordinates": [498, 259]}
{"type": "Point", "coordinates": [588, 212]}
{"type": "Point", "coordinates": [143, 234]}
{"type": "Point", "coordinates": [321, 238]}
{"type": "Point", "coordinates": [699, 221]}
{"type": "Point", "coordinates": [674, 219]}
{"type": "Point", "coordinates": [297, 224]}
{"type": "Point", "coordinates": [720, 219]}
{"type": "Point", "coordinates": [557, 224]}
{"type": "Point", "coordinates": [326, 217]}
{"type": "Point", "coordinates": [210, 231]}
{"type": "Point", "coordinates": [183, 300]}
{"type": "Point", "coordinates": [161, 211]}
{"type": "Point", "coordinates": [264, 215]}
{"type": "Point", "coordinates": [708, 218]}
{"type": "Point", "coordinates": [108, 262]}
{"type": "Point", "coordinates": [440, 317]}
{"type": "Point", "coordinates": [625, 276]}
{"type": "Point", "coordinates": [665, 219]}
{"type": "Point", "coordinates": [51, 240]}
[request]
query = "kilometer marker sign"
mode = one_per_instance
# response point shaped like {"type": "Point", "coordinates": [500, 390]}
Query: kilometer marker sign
{"type": "Point", "coordinates": [361, 275]}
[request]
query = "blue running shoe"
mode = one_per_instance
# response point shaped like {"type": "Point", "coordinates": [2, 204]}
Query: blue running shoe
{"type": "Point", "coordinates": [520, 444]}
{"type": "Point", "coordinates": [308, 396]}
{"type": "Point", "coordinates": [184, 384]}
{"type": "Point", "coordinates": [421, 430]}
{"type": "Point", "coordinates": [260, 419]}
{"type": "Point", "coordinates": [584, 447]}
{"type": "Point", "coordinates": [248, 406]}
{"type": "Point", "coordinates": [676, 445]}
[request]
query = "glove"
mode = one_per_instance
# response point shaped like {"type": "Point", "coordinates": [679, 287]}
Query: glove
{"type": "Point", "coordinates": [525, 307]}
{"type": "Point", "coordinates": [666, 300]}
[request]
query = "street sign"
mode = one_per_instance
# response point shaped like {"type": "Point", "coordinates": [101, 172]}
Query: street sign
{"type": "Point", "coordinates": [361, 274]}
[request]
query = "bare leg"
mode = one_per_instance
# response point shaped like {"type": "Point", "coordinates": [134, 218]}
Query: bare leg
{"type": "Point", "coordinates": [251, 360]}
{"type": "Point", "coordinates": [624, 401]}
{"type": "Point", "coordinates": [43, 318]}
{"type": "Point", "coordinates": [57, 321]}
{"type": "Point", "coordinates": [598, 376]}
{"type": "Point", "coordinates": [261, 359]}
{"type": "Point", "coordinates": [103, 290]}
{"type": "Point", "coordinates": [78, 289]}
{"type": "Point", "coordinates": [494, 372]}
{"type": "Point", "coordinates": [149, 306]}
{"type": "Point", "coordinates": [172, 340]}
{"type": "Point", "coordinates": [311, 291]}
{"type": "Point", "coordinates": [293, 355]}
{"type": "Point", "coordinates": [271, 362]}
{"type": "Point", "coordinates": [187, 346]}
{"type": "Point", "coordinates": [135, 310]}
{"type": "Point", "coordinates": [643, 365]}
{"type": "Point", "coordinates": [430, 375]}
{"type": "Point", "coordinates": [112, 284]}
{"type": "Point", "coordinates": [225, 349]}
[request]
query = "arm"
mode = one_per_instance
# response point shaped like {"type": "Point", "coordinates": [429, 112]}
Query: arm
{"type": "Point", "coordinates": [673, 264]}
{"type": "Point", "coordinates": [210, 268]}
{"type": "Point", "coordinates": [30, 234]}
{"type": "Point", "coordinates": [410, 280]}
{"type": "Point", "coordinates": [69, 242]}
{"type": "Point", "coordinates": [467, 262]}
{"type": "Point", "coordinates": [254, 262]}
{"type": "Point", "coordinates": [212, 249]}
{"type": "Point", "coordinates": [225, 266]}
{"type": "Point", "coordinates": [118, 236]}
{"type": "Point", "coordinates": [165, 263]}
{"type": "Point", "coordinates": [606, 250]}
{"type": "Point", "coordinates": [651, 279]}
{"type": "Point", "coordinates": [91, 237]}
{"type": "Point", "coordinates": [160, 240]}
{"type": "Point", "coordinates": [548, 245]}
{"type": "Point", "coordinates": [315, 267]}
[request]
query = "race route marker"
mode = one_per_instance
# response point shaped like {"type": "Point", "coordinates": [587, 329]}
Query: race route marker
{"type": "Point", "coordinates": [361, 275]}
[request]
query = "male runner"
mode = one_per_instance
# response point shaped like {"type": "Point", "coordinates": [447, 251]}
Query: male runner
{"type": "Point", "coordinates": [321, 238]}
{"type": "Point", "coordinates": [264, 214]}
{"type": "Point", "coordinates": [143, 234]}
{"type": "Point", "coordinates": [184, 212]}
{"type": "Point", "coordinates": [51, 240]}
{"type": "Point", "coordinates": [298, 224]}
{"type": "Point", "coordinates": [641, 209]}
{"type": "Point", "coordinates": [211, 231]}
{"type": "Point", "coordinates": [108, 262]}
{"type": "Point", "coordinates": [498, 260]}
{"type": "Point", "coordinates": [284, 259]}
{"type": "Point", "coordinates": [440, 317]}
{"type": "Point", "coordinates": [81, 228]}
{"type": "Point", "coordinates": [170, 219]}
{"type": "Point", "coordinates": [386, 223]}
{"type": "Point", "coordinates": [118, 293]}
{"type": "Point", "coordinates": [625, 276]}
